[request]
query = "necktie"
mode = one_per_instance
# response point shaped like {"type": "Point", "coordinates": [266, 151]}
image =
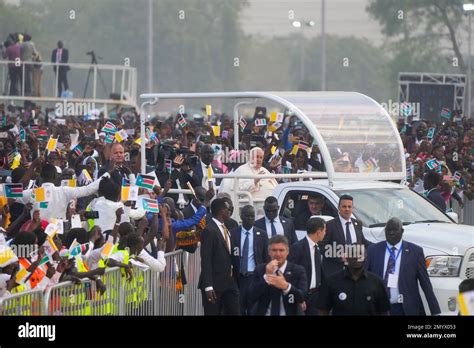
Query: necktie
{"type": "Point", "coordinates": [274, 231]}
{"type": "Point", "coordinates": [276, 295]}
{"type": "Point", "coordinates": [348, 234]}
{"type": "Point", "coordinates": [317, 265]}
{"type": "Point", "coordinates": [226, 237]}
{"type": "Point", "coordinates": [390, 266]}
{"type": "Point", "coordinates": [244, 259]}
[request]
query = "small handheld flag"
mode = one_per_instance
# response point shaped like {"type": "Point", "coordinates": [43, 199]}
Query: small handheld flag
{"type": "Point", "coordinates": [108, 248]}
{"type": "Point", "coordinates": [273, 116]}
{"type": "Point", "coordinates": [150, 205]}
{"type": "Point", "coordinates": [216, 130]}
{"type": "Point", "coordinates": [121, 135]}
{"type": "Point", "coordinates": [182, 121]}
{"type": "Point", "coordinates": [52, 143]}
{"type": "Point", "coordinates": [432, 164]}
{"type": "Point", "coordinates": [169, 166]}
{"type": "Point", "coordinates": [13, 190]}
{"type": "Point", "coordinates": [242, 122]}
{"type": "Point", "coordinates": [109, 127]}
{"type": "Point", "coordinates": [109, 138]}
{"type": "Point", "coordinates": [87, 175]}
{"type": "Point", "coordinates": [145, 181]}
{"type": "Point", "coordinates": [69, 183]}
{"type": "Point", "coordinates": [129, 193]}
{"type": "Point", "coordinates": [445, 113]}
{"type": "Point", "coordinates": [259, 122]}
{"type": "Point", "coordinates": [208, 110]}
{"type": "Point", "coordinates": [78, 150]}
{"type": "Point", "coordinates": [431, 133]}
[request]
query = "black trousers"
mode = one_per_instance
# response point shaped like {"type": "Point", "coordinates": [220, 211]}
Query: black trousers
{"type": "Point", "coordinates": [227, 302]}
{"type": "Point", "coordinates": [396, 309]}
{"type": "Point", "coordinates": [62, 80]}
{"type": "Point", "coordinates": [244, 283]}
{"type": "Point", "coordinates": [311, 299]}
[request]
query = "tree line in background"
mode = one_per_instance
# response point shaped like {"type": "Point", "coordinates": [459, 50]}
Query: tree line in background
{"type": "Point", "coordinates": [207, 50]}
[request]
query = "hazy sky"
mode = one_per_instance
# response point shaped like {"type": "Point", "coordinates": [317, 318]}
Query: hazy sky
{"type": "Point", "coordinates": [343, 17]}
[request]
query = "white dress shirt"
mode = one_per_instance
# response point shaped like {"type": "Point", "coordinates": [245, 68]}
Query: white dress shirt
{"type": "Point", "coordinates": [312, 245]}
{"type": "Point", "coordinates": [205, 182]}
{"type": "Point", "coordinates": [60, 198]}
{"type": "Point", "coordinates": [285, 292]}
{"type": "Point", "coordinates": [394, 293]}
{"type": "Point", "coordinates": [351, 228]}
{"type": "Point", "coordinates": [107, 209]}
{"type": "Point", "coordinates": [278, 226]}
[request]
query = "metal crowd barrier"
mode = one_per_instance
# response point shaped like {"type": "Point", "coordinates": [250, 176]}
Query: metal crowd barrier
{"type": "Point", "coordinates": [28, 303]}
{"type": "Point", "coordinates": [171, 292]}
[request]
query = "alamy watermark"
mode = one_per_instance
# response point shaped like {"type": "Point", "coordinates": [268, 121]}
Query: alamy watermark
{"type": "Point", "coordinates": [402, 109]}
{"type": "Point", "coordinates": [69, 108]}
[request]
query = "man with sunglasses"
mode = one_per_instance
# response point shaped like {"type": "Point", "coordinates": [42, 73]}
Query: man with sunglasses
{"type": "Point", "coordinates": [274, 224]}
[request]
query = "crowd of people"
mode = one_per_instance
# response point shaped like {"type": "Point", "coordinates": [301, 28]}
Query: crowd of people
{"type": "Point", "coordinates": [73, 187]}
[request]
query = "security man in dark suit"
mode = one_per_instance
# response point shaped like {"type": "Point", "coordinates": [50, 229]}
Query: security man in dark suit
{"type": "Point", "coordinates": [220, 293]}
{"type": "Point", "coordinates": [402, 267]}
{"type": "Point", "coordinates": [200, 170]}
{"type": "Point", "coordinates": [353, 291]}
{"type": "Point", "coordinates": [341, 232]}
{"type": "Point", "coordinates": [274, 224]}
{"type": "Point", "coordinates": [249, 249]}
{"type": "Point", "coordinates": [61, 55]}
{"type": "Point", "coordinates": [196, 202]}
{"type": "Point", "coordinates": [306, 253]}
{"type": "Point", "coordinates": [278, 287]}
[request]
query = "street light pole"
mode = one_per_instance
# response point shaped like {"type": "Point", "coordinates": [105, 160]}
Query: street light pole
{"type": "Point", "coordinates": [469, 70]}
{"type": "Point", "coordinates": [469, 8]}
{"type": "Point", "coordinates": [323, 46]}
{"type": "Point", "coordinates": [150, 46]}
{"type": "Point", "coordinates": [302, 53]}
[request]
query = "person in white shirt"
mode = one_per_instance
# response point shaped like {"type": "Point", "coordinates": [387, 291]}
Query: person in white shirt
{"type": "Point", "coordinates": [136, 243]}
{"type": "Point", "coordinates": [107, 205]}
{"type": "Point", "coordinates": [58, 196]}
{"type": "Point", "coordinates": [259, 188]}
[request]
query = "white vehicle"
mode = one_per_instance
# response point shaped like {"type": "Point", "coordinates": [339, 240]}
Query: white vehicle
{"type": "Point", "coordinates": [363, 156]}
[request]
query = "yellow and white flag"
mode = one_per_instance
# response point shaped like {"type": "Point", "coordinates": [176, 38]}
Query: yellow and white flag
{"type": "Point", "coordinates": [52, 143]}
{"type": "Point", "coordinates": [208, 110]}
{"type": "Point", "coordinates": [121, 135]}
{"type": "Point", "coordinates": [129, 193]}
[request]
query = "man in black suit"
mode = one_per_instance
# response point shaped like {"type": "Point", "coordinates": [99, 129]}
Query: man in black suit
{"type": "Point", "coordinates": [306, 253]}
{"type": "Point", "coordinates": [274, 224]}
{"type": "Point", "coordinates": [196, 202]}
{"type": "Point", "coordinates": [402, 267]}
{"type": "Point", "coordinates": [220, 293]}
{"type": "Point", "coordinates": [433, 194]}
{"type": "Point", "coordinates": [61, 55]}
{"type": "Point", "coordinates": [278, 287]}
{"type": "Point", "coordinates": [200, 170]}
{"type": "Point", "coordinates": [341, 232]}
{"type": "Point", "coordinates": [249, 249]}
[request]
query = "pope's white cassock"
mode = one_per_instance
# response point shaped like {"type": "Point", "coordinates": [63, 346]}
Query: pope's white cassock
{"type": "Point", "coordinates": [260, 190]}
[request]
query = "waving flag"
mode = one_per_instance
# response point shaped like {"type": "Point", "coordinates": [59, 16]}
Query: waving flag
{"type": "Point", "coordinates": [242, 122]}
{"type": "Point", "coordinates": [13, 190]}
{"type": "Point", "coordinates": [150, 205]}
{"type": "Point", "coordinates": [259, 122]}
{"type": "Point", "coordinates": [78, 150]}
{"type": "Point", "coordinates": [121, 135]}
{"type": "Point", "coordinates": [42, 135]}
{"type": "Point", "coordinates": [35, 129]}
{"type": "Point", "coordinates": [432, 164]}
{"type": "Point", "coordinates": [52, 143]}
{"type": "Point", "coordinates": [216, 130]}
{"type": "Point", "coordinates": [208, 110]}
{"type": "Point", "coordinates": [182, 121]}
{"type": "Point", "coordinates": [109, 138]}
{"type": "Point", "coordinates": [145, 181]}
{"type": "Point", "coordinates": [129, 193]}
{"type": "Point", "coordinates": [109, 127]}
{"type": "Point", "coordinates": [445, 113]}
{"type": "Point", "coordinates": [21, 134]}
{"type": "Point", "coordinates": [108, 248]}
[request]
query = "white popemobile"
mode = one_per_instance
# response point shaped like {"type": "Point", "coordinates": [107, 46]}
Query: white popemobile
{"type": "Point", "coordinates": [364, 157]}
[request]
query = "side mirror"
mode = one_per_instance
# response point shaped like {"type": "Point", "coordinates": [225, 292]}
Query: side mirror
{"type": "Point", "coordinates": [453, 216]}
